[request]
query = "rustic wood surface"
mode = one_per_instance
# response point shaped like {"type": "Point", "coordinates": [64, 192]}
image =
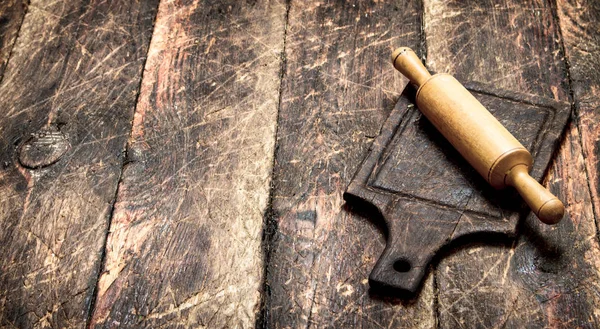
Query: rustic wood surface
{"type": "Point", "coordinates": [206, 189]}
{"type": "Point", "coordinates": [542, 280]}
{"type": "Point", "coordinates": [67, 100]}
{"type": "Point", "coordinates": [11, 17]}
{"type": "Point", "coordinates": [580, 26]}
{"type": "Point", "coordinates": [337, 90]}
{"type": "Point", "coordinates": [184, 248]}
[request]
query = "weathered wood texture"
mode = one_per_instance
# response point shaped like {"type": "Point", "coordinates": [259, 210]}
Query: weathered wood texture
{"type": "Point", "coordinates": [550, 276]}
{"type": "Point", "coordinates": [337, 90]}
{"type": "Point", "coordinates": [580, 26]}
{"type": "Point", "coordinates": [67, 101]}
{"type": "Point", "coordinates": [184, 245]}
{"type": "Point", "coordinates": [184, 248]}
{"type": "Point", "coordinates": [11, 17]}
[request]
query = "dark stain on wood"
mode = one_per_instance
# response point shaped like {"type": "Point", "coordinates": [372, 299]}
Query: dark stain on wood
{"type": "Point", "coordinates": [431, 197]}
{"type": "Point", "coordinates": [67, 99]}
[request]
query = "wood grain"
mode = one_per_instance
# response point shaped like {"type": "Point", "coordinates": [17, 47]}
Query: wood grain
{"type": "Point", "coordinates": [67, 99]}
{"type": "Point", "coordinates": [338, 88]}
{"type": "Point", "coordinates": [542, 280]}
{"type": "Point", "coordinates": [184, 248]}
{"type": "Point", "coordinates": [580, 26]}
{"type": "Point", "coordinates": [11, 18]}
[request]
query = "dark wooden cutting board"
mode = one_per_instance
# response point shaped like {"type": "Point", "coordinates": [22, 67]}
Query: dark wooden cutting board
{"type": "Point", "coordinates": [430, 198]}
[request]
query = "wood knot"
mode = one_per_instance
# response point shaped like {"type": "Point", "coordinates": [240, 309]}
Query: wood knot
{"type": "Point", "coordinates": [43, 148]}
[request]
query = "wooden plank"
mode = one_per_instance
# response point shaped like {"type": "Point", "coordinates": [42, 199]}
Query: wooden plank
{"type": "Point", "coordinates": [549, 277]}
{"type": "Point", "coordinates": [184, 248]}
{"type": "Point", "coordinates": [67, 99]}
{"type": "Point", "coordinates": [11, 18]}
{"type": "Point", "coordinates": [580, 26]}
{"type": "Point", "coordinates": [338, 88]}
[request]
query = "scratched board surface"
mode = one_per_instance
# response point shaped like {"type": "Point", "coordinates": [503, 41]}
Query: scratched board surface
{"type": "Point", "coordinates": [67, 96]}
{"type": "Point", "coordinates": [418, 169]}
{"type": "Point", "coordinates": [181, 163]}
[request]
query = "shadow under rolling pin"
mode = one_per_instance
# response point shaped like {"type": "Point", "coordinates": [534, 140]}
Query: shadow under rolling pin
{"type": "Point", "coordinates": [496, 154]}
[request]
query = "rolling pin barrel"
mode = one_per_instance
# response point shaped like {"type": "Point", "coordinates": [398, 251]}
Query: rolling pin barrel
{"type": "Point", "coordinates": [497, 155]}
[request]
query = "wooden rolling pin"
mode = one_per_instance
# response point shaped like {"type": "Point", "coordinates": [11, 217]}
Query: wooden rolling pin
{"type": "Point", "coordinates": [477, 135]}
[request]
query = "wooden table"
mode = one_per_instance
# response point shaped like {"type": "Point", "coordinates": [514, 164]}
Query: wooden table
{"type": "Point", "coordinates": [182, 163]}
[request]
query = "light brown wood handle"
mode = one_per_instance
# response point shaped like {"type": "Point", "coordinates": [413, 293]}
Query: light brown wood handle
{"type": "Point", "coordinates": [408, 63]}
{"type": "Point", "coordinates": [491, 149]}
{"type": "Point", "coordinates": [548, 208]}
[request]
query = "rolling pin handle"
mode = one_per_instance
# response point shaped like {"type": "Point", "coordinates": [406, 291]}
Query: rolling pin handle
{"type": "Point", "coordinates": [548, 208]}
{"type": "Point", "coordinates": [408, 63]}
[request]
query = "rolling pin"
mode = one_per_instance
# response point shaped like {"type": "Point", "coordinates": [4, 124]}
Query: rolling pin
{"type": "Point", "coordinates": [496, 154]}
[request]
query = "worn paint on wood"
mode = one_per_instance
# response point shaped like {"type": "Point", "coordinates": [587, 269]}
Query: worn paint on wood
{"type": "Point", "coordinates": [67, 101]}
{"type": "Point", "coordinates": [11, 18]}
{"type": "Point", "coordinates": [184, 248]}
{"type": "Point", "coordinates": [338, 88]}
{"type": "Point", "coordinates": [542, 280]}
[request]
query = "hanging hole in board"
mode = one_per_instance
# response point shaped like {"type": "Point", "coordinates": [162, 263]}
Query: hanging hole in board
{"type": "Point", "coordinates": [402, 265]}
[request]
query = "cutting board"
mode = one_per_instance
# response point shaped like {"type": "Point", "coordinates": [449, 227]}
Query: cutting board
{"type": "Point", "coordinates": [430, 198]}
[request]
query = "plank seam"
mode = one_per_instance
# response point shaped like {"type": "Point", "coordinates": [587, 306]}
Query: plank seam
{"type": "Point", "coordinates": [436, 289]}
{"type": "Point", "coordinates": [574, 107]}
{"type": "Point", "coordinates": [423, 37]}
{"type": "Point", "coordinates": [124, 162]}
{"type": "Point", "coordinates": [436, 298]}
{"type": "Point", "coordinates": [270, 228]}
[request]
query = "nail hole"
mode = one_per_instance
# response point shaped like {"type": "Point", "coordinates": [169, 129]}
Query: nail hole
{"type": "Point", "coordinates": [402, 265]}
